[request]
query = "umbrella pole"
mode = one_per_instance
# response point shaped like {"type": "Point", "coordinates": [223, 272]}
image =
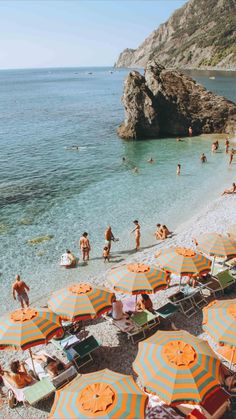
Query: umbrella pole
{"type": "Point", "coordinates": [32, 362]}
{"type": "Point", "coordinates": [232, 357]}
{"type": "Point", "coordinates": [213, 265]}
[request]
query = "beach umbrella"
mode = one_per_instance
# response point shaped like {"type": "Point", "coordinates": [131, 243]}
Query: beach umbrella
{"type": "Point", "coordinates": [103, 394]}
{"type": "Point", "coordinates": [182, 261]}
{"type": "Point", "coordinates": [232, 232]}
{"type": "Point", "coordinates": [219, 320]}
{"type": "Point", "coordinates": [216, 245]}
{"type": "Point", "coordinates": [25, 328]}
{"type": "Point", "coordinates": [137, 278]}
{"type": "Point", "coordinates": [81, 301]}
{"type": "Point", "coordinates": [177, 366]}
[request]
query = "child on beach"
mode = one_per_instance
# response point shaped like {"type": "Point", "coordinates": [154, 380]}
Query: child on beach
{"type": "Point", "coordinates": [106, 254]}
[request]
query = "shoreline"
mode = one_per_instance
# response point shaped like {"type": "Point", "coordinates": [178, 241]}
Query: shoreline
{"type": "Point", "coordinates": [116, 352]}
{"type": "Point", "coordinates": [215, 216]}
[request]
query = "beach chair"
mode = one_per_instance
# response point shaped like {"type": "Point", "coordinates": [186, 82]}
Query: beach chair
{"type": "Point", "coordinates": [168, 310]}
{"type": "Point", "coordinates": [213, 407]}
{"type": "Point", "coordinates": [80, 353]}
{"type": "Point", "coordinates": [184, 302]}
{"type": "Point", "coordinates": [37, 391]}
{"type": "Point", "coordinates": [58, 381]}
{"type": "Point", "coordinates": [218, 283]}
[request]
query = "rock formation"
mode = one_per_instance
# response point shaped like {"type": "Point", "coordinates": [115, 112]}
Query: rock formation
{"type": "Point", "coordinates": [166, 103]}
{"type": "Point", "coordinates": [201, 34]}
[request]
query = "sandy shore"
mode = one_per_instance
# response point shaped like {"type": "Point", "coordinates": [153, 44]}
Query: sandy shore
{"type": "Point", "coordinates": [116, 352]}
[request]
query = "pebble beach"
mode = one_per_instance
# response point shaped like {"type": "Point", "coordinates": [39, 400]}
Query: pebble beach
{"type": "Point", "coordinates": [116, 351]}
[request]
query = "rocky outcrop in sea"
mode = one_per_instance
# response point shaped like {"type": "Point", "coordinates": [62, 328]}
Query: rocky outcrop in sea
{"type": "Point", "coordinates": [165, 102]}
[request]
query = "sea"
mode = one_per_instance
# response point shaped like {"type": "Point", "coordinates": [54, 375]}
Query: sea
{"type": "Point", "coordinates": [51, 192]}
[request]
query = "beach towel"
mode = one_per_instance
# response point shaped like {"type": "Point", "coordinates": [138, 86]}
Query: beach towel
{"type": "Point", "coordinates": [156, 408]}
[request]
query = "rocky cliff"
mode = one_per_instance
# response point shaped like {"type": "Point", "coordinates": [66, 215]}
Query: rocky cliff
{"type": "Point", "coordinates": [166, 103]}
{"type": "Point", "coordinates": [202, 34]}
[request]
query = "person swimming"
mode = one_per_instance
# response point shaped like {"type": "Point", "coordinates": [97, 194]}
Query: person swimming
{"type": "Point", "coordinates": [150, 160]}
{"type": "Point", "coordinates": [203, 158]}
{"type": "Point", "coordinates": [135, 170]}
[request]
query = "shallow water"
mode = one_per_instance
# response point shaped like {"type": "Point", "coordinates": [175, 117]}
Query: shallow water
{"type": "Point", "coordinates": [48, 190]}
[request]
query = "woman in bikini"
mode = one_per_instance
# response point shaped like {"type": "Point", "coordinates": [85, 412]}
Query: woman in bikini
{"type": "Point", "coordinates": [84, 246]}
{"type": "Point", "coordinates": [136, 230]}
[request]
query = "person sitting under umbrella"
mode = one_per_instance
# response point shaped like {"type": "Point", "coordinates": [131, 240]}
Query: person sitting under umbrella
{"type": "Point", "coordinates": [145, 303]}
{"type": "Point", "coordinates": [18, 376]}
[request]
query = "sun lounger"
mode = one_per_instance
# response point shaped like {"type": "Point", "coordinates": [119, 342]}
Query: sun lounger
{"type": "Point", "coordinates": [218, 283]}
{"type": "Point", "coordinates": [39, 391]}
{"type": "Point", "coordinates": [184, 302]}
{"type": "Point", "coordinates": [80, 353]}
{"type": "Point", "coordinates": [214, 406]}
{"type": "Point", "coordinates": [62, 378]}
{"type": "Point", "coordinates": [167, 310]}
{"type": "Point", "coordinates": [66, 342]}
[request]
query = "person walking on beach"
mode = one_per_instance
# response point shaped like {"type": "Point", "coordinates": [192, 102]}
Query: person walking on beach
{"type": "Point", "coordinates": [109, 237]}
{"type": "Point", "coordinates": [231, 155]}
{"type": "Point", "coordinates": [178, 169]}
{"type": "Point", "coordinates": [226, 145]}
{"type": "Point", "coordinates": [136, 230]}
{"type": "Point", "coordinates": [19, 291]}
{"type": "Point", "coordinates": [203, 158]}
{"type": "Point", "coordinates": [85, 246]}
{"type": "Point", "coordinates": [190, 131]}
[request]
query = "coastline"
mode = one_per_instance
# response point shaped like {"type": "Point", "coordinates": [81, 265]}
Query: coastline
{"type": "Point", "coordinates": [116, 352]}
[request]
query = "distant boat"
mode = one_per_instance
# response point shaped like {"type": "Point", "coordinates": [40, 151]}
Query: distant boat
{"type": "Point", "coordinates": [212, 78]}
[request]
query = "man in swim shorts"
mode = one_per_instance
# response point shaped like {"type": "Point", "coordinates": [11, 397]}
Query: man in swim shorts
{"type": "Point", "coordinates": [19, 291]}
{"type": "Point", "coordinates": [109, 236]}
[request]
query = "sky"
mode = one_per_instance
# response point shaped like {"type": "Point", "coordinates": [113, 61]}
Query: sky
{"type": "Point", "coordinates": [65, 33]}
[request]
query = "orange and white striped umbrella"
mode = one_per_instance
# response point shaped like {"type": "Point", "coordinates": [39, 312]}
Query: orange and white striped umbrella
{"type": "Point", "coordinates": [232, 232]}
{"type": "Point", "coordinates": [216, 245]}
{"type": "Point", "coordinates": [24, 328]}
{"type": "Point", "coordinates": [103, 394]}
{"type": "Point", "coordinates": [137, 278]}
{"type": "Point", "coordinates": [177, 366]}
{"type": "Point", "coordinates": [81, 301]}
{"type": "Point", "coordinates": [219, 320]}
{"type": "Point", "coordinates": [182, 261]}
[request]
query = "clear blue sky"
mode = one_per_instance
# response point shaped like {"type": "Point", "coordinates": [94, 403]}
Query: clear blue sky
{"type": "Point", "coordinates": [52, 33]}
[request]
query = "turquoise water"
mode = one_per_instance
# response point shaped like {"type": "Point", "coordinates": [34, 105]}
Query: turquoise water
{"type": "Point", "coordinates": [45, 189]}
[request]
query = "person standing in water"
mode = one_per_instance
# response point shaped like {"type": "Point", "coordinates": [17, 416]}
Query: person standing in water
{"type": "Point", "coordinates": [231, 156]}
{"type": "Point", "coordinates": [109, 236]}
{"type": "Point", "coordinates": [226, 145]}
{"type": "Point", "coordinates": [19, 291]}
{"type": "Point", "coordinates": [84, 246]}
{"type": "Point", "coordinates": [136, 230]}
{"type": "Point", "coordinates": [190, 131]}
{"type": "Point", "coordinates": [178, 169]}
{"type": "Point", "coordinates": [203, 158]}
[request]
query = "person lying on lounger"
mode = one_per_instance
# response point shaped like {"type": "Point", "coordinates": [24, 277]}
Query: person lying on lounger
{"type": "Point", "coordinates": [51, 365]}
{"type": "Point", "coordinates": [230, 191]}
{"type": "Point", "coordinates": [228, 378]}
{"type": "Point", "coordinates": [17, 376]}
